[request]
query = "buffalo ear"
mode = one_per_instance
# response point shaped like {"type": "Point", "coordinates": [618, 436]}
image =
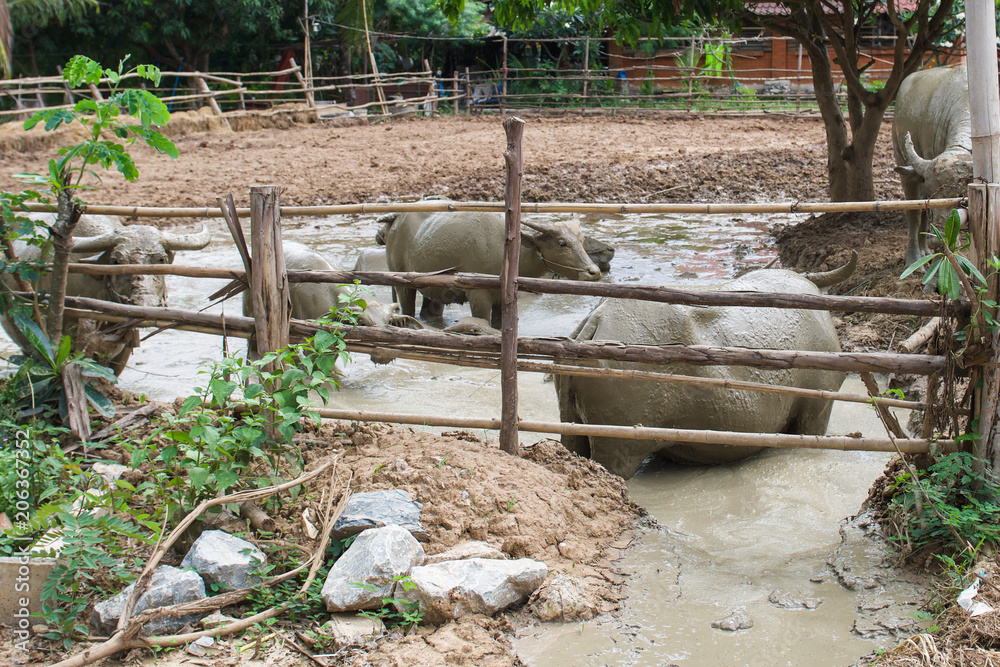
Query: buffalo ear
{"type": "Point", "coordinates": [907, 170]}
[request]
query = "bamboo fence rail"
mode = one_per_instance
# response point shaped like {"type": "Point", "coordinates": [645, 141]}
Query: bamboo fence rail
{"type": "Point", "coordinates": [856, 304]}
{"type": "Point", "coordinates": [733, 438]}
{"type": "Point", "coordinates": [556, 347]}
{"type": "Point", "coordinates": [486, 360]}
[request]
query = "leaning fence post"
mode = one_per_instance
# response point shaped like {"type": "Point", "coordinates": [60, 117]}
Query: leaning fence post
{"type": "Point", "coordinates": [514, 127]}
{"type": "Point", "coordinates": [268, 280]}
{"type": "Point", "coordinates": [203, 87]}
{"type": "Point", "coordinates": [310, 101]}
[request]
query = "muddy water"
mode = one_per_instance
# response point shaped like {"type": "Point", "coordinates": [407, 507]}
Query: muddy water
{"type": "Point", "coordinates": [727, 537]}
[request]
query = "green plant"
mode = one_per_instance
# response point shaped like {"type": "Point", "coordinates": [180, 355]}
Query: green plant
{"type": "Point", "coordinates": [40, 378]}
{"type": "Point", "coordinates": [91, 561]}
{"type": "Point", "coordinates": [939, 266]}
{"type": "Point", "coordinates": [953, 505]}
{"type": "Point", "coordinates": [33, 468]}
{"type": "Point", "coordinates": [396, 612]}
{"type": "Point", "coordinates": [239, 428]}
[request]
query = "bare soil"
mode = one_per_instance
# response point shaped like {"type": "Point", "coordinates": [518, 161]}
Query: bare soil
{"type": "Point", "coordinates": [549, 504]}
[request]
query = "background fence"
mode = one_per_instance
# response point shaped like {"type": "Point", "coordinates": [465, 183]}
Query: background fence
{"type": "Point", "coordinates": [741, 75]}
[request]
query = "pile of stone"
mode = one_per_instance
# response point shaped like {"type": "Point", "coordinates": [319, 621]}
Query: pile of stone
{"type": "Point", "coordinates": [385, 565]}
{"type": "Point", "coordinates": [216, 560]}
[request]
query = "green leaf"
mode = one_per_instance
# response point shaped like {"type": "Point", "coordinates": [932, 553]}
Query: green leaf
{"type": "Point", "coordinates": [92, 369]}
{"type": "Point", "coordinates": [189, 404]}
{"type": "Point", "coordinates": [951, 228]}
{"type": "Point", "coordinates": [917, 264]}
{"type": "Point", "coordinates": [64, 350]}
{"type": "Point", "coordinates": [36, 337]}
{"type": "Point", "coordinates": [99, 401]}
{"type": "Point", "coordinates": [198, 476]}
{"type": "Point", "coordinates": [81, 69]}
{"type": "Point", "coordinates": [226, 478]}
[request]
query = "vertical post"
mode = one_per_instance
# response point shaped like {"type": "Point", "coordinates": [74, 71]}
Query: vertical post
{"type": "Point", "coordinates": [454, 92]}
{"type": "Point", "coordinates": [310, 102]}
{"type": "Point", "coordinates": [586, 72]}
{"type": "Point", "coordinates": [268, 280]}
{"type": "Point", "coordinates": [798, 80]}
{"type": "Point", "coordinates": [307, 53]}
{"type": "Point", "coordinates": [243, 102]}
{"type": "Point", "coordinates": [984, 205]}
{"type": "Point", "coordinates": [514, 127]}
{"type": "Point", "coordinates": [431, 105]}
{"type": "Point", "coordinates": [468, 93]}
{"type": "Point", "coordinates": [503, 93]}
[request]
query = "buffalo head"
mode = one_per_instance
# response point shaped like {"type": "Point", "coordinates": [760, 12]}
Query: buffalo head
{"type": "Point", "coordinates": [139, 244]}
{"type": "Point", "coordinates": [945, 176]}
{"type": "Point", "coordinates": [561, 247]}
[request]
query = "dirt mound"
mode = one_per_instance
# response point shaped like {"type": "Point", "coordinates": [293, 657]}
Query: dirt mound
{"type": "Point", "coordinates": [825, 242]}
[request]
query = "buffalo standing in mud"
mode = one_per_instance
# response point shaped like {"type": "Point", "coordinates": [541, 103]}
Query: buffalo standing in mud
{"type": "Point", "coordinates": [473, 242]}
{"type": "Point", "coordinates": [932, 142]}
{"type": "Point", "coordinates": [311, 301]}
{"type": "Point", "coordinates": [114, 243]}
{"type": "Point", "coordinates": [592, 400]}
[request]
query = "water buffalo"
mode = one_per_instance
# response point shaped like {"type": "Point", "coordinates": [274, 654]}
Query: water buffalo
{"type": "Point", "coordinates": [114, 243]}
{"type": "Point", "coordinates": [311, 301]}
{"type": "Point", "coordinates": [473, 242]}
{"type": "Point", "coordinates": [615, 401]}
{"type": "Point", "coordinates": [931, 139]}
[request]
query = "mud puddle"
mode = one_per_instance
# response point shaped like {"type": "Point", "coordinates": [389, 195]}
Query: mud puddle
{"type": "Point", "coordinates": [727, 537]}
{"type": "Point", "coordinates": [766, 536]}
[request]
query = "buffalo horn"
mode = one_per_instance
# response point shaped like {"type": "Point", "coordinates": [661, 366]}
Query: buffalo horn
{"type": "Point", "coordinates": [195, 241]}
{"type": "Point", "coordinates": [919, 164]}
{"type": "Point", "coordinates": [537, 226]}
{"type": "Point", "coordinates": [832, 277]}
{"type": "Point", "coordinates": [90, 244]}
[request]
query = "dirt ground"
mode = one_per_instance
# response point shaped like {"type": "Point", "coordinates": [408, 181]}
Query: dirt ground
{"type": "Point", "coordinates": [567, 511]}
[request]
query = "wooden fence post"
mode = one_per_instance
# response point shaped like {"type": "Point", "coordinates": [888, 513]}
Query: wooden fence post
{"type": "Point", "coordinates": [203, 87]}
{"type": "Point", "coordinates": [454, 92]}
{"type": "Point", "coordinates": [514, 127]}
{"type": "Point", "coordinates": [468, 93]}
{"type": "Point", "coordinates": [268, 279]}
{"type": "Point", "coordinates": [586, 72]}
{"type": "Point", "coordinates": [984, 200]}
{"type": "Point", "coordinates": [95, 92]}
{"type": "Point", "coordinates": [503, 92]}
{"type": "Point", "coordinates": [310, 102]}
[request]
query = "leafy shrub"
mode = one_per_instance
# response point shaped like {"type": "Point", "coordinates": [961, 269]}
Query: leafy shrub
{"type": "Point", "coordinates": [961, 499]}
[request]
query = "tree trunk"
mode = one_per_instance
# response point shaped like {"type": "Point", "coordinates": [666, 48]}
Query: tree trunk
{"type": "Point", "coordinates": [67, 216]}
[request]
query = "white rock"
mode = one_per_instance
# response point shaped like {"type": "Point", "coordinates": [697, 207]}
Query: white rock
{"type": "Point", "coordinates": [739, 619]}
{"type": "Point", "coordinates": [351, 630]}
{"type": "Point", "coordinates": [391, 507]}
{"type": "Point", "coordinates": [168, 586]}
{"type": "Point", "coordinates": [223, 559]}
{"type": "Point", "coordinates": [563, 599]}
{"type": "Point", "coordinates": [466, 550]}
{"type": "Point", "coordinates": [367, 571]}
{"type": "Point", "coordinates": [475, 586]}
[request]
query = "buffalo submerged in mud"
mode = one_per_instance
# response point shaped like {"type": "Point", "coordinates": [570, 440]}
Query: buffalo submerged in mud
{"type": "Point", "coordinates": [112, 243]}
{"type": "Point", "coordinates": [593, 400]}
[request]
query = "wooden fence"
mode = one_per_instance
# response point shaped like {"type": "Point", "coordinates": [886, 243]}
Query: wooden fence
{"type": "Point", "coordinates": [679, 78]}
{"type": "Point", "coordinates": [512, 353]}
